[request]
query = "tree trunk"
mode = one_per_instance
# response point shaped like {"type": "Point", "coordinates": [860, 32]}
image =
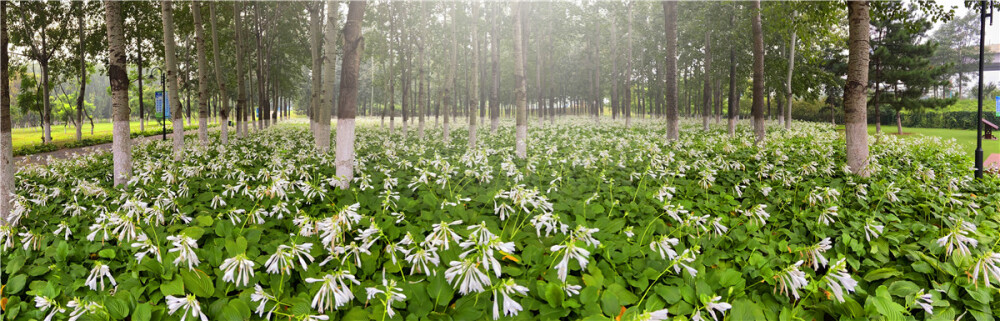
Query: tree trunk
{"type": "Point", "coordinates": [199, 40]}
{"type": "Point", "coordinates": [855, 89]}
{"type": "Point", "coordinates": [706, 101]}
{"type": "Point", "coordinates": [628, 72]}
{"type": "Point", "coordinates": [521, 88]}
{"type": "Point", "coordinates": [598, 97]}
{"type": "Point", "coordinates": [316, 97]}
{"type": "Point", "coordinates": [757, 107]}
{"type": "Point", "coordinates": [172, 86]}
{"type": "Point", "coordinates": [7, 171]}
{"type": "Point", "coordinates": [83, 79]}
{"type": "Point", "coordinates": [670, 24]}
{"type": "Point", "coordinates": [449, 88]}
{"type": "Point", "coordinates": [421, 104]}
{"type": "Point", "coordinates": [899, 124]}
{"type": "Point", "coordinates": [788, 82]}
{"type": "Point", "coordinates": [473, 130]}
{"type": "Point", "coordinates": [219, 80]}
{"type": "Point", "coordinates": [241, 91]}
{"type": "Point", "coordinates": [330, 69]}
{"type": "Point", "coordinates": [495, 52]}
{"type": "Point", "coordinates": [614, 66]}
{"type": "Point", "coordinates": [121, 148]}
{"type": "Point", "coordinates": [348, 99]}
{"type": "Point", "coordinates": [734, 113]}
{"type": "Point", "coordinates": [142, 105]}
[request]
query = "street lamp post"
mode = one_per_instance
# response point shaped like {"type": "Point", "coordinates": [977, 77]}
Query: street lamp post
{"type": "Point", "coordinates": [163, 86]}
{"type": "Point", "coordinates": [985, 10]}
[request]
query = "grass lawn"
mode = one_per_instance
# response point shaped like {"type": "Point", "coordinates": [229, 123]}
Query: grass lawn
{"type": "Point", "coordinates": [965, 138]}
{"type": "Point", "coordinates": [61, 135]}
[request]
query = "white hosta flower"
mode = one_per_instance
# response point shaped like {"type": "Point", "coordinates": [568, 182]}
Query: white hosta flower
{"type": "Point", "coordinates": [283, 260]}
{"type": "Point", "coordinates": [390, 292]}
{"type": "Point", "coordinates": [97, 275]}
{"type": "Point", "coordinates": [791, 280]}
{"type": "Point", "coordinates": [683, 260]}
{"type": "Point", "coordinates": [839, 280]}
{"type": "Point", "coordinates": [348, 251]}
{"type": "Point", "coordinates": [237, 270]}
{"type": "Point", "coordinates": [571, 289]}
{"type": "Point", "coordinates": [502, 209]}
{"type": "Point", "coordinates": [988, 265]}
{"type": "Point", "coordinates": [757, 213]}
{"type": "Point", "coordinates": [146, 247]}
{"type": "Point", "coordinates": [959, 238]}
{"type": "Point", "coordinates": [263, 297]}
{"type": "Point", "coordinates": [443, 235]}
{"type": "Point", "coordinates": [814, 254]}
{"type": "Point", "coordinates": [81, 307]}
{"type": "Point", "coordinates": [467, 276]}
{"type": "Point", "coordinates": [828, 216]}
{"type": "Point", "coordinates": [890, 193]}
{"type": "Point", "coordinates": [45, 303]}
{"type": "Point", "coordinates": [188, 303]}
{"type": "Point", "coordinates": [421, 259]}
{"type": "Point", "coordinates": [550, 223]}
{"type": "Point", "coordinates": [665, 246]}
{"type": "Point", "coordinates": [718, 228]}
{"type": "Point", "coordinates": [572, 251]}
{"type": "Point", "coordinates": [873, 230]}
{"type": "Point", "coordinates": [30, 241]}
{"type": "Point", "coordinates": [184, 246]}
{"type": "Point", "coordinates": [628, 232]}
{"type": "Point", "coordinates": [713, 306]}
{"type": "Point", "coordinates": [925, 301]}
{"type": "Point", "coordinates": [675, 211]}
{"type": "Point", "coordinates": [217, 201]}
{"type": "Point", "coordinates": [658, 315]}
{"type": "Point", "coordinates": [510, 307]}
{"type": "Point", "coordinates": [64, 230]}
{"type": "Point", "coordinates": [334, 292]}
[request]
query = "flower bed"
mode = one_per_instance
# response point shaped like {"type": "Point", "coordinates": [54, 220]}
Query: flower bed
{"type": "Point", "coordinates": [600, 222]}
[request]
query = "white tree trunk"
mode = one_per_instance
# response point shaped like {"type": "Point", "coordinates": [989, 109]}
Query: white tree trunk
{"type": "Point", "coordinates": [330, 69]}
{"type": "Point", "coordinates": [121, 145]}
{"type": "Point", "coordinates": [199, 36]}
{"type": "Point", "coordinates": [788, 83]}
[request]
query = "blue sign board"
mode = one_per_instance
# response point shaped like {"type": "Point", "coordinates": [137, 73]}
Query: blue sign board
{"type": "Point", "coordinates": [998, 105]}
{"type": "Point", "coordinates": [159, 104]}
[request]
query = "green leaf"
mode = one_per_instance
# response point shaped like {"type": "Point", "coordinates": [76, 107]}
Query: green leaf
{"type": "Point", "coordinates": [883, 305]}
{"type": "Point", "coordinates": [204, 220]}
{"type": "Point", "coordinates": [744, 309]}
{"type": "Point", "coordinates": [143, 312]}
{"type": "Point", "coordinates": [902, 288]}
{"type": "Point", "coordinates": [883, 273]}
{"type": "Point", "coordinates": [117, 308]}
{"type": "Point", "coordinates": [62, 251]}
{"type": "Point", "coordinates": [625, 297]}
{"type": "Point", "coordinates": [107, 253]}
{"type": "Point", "coordinates": [198, 283]}
{"type": "Point", "coordinates": [730, 278]}
{"type": "Point", "coordinates": [175, 287]}
{"type": "Point", "coordinates": [15, 284]}
{"type": "Point", "coordinates": [194, 232]}
{"type": "Point", "coordinates": [554, 295]}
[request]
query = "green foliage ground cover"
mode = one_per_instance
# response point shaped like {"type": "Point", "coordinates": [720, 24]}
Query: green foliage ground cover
{"type": "Point", "coordinates": [599, 222]}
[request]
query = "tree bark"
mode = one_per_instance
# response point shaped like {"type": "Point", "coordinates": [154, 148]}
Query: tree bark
{"type": "Point", "coordinates": [316, 98]}
{"type": "Point", "coordinates": [757, 107]}
{"type": "Point", "coordinates": [788, 82]}
{"type": "Point", "coordinates": [495, 52]}
{"type": "Point", "coordinates": [628, 72]}
{"type": "Point", "coordinates": [449, 88]}
{"type": "Point", "coordinates": [121, 148]}
{"type": "Point", "coordinates": [473, 129]}
{"type": "Point", "coordinates": [7, 171]}
{"type": "Point", "coordinates": [733, 101]}
{"type": "Point", "coordinates": [199, 40]}
{"type": "Point", "coordinates": [172, 86]}
{"type": "Point", "coordinates": [223, 102]}
{"type": "Point", "coordinates": [855, 89]}
{"type": "Point", "coordinates": [241, 90]}
{"type": "Point", "coordinates": [330, 69]}
{"type": "Point", "coordinates": [348, 99]}
{"type": "Point", "coordinates": [142, 105]}
{"type": "Point", "coordinates": [706, 101]}
{"type": "Point", "coordinates": [83, 78]}
{"type": "Point", "coordinates": [421, 104]}
{"type": "Point", "coordinates": [520, 91]}
{"type": "Point", "coordinates": [670, 24]}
